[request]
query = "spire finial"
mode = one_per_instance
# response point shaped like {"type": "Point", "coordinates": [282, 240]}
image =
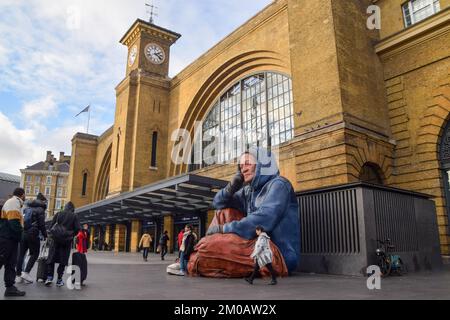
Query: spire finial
{"type": "Point", "coordinates": [151, 12]}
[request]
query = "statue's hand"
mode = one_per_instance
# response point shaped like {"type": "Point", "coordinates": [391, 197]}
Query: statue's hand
{"type": "Point", "coordinates": [236, 183]}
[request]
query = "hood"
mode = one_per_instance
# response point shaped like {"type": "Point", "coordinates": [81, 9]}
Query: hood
{"type": "Point", "coordinates": [69, 207]}
{"type": "Point", "coordinates": [36, 204]}
{"type": "Point", "coordinates": [263, 234]}
{"type": "Point", "coordinates": [266, 167]}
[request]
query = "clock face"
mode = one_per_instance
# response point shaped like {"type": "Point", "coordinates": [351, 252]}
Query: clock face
{"type": "Point", "coordinates": [154, 53]}
{"type": "Point", "coordinates": [133, 55]}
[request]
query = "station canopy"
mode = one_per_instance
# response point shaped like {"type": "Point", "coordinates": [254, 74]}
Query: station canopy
{"type": "Point", "coordinates": [181, 195]}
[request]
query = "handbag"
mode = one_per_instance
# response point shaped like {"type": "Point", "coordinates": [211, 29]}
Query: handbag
{"type": "Point", "coordinates": [60, 234]}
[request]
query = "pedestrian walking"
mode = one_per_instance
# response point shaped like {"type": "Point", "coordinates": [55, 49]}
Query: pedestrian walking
{"type": "Point", "coordinates": [163, 244]}
{"type": "Point", "coordinates": [144, 244]}
{"type": "Point", "coordinates": [11, 228]}
{"type": "Point", "coordinates": [262, 254]}
{"type": "Point", "coordinates": [64, 227]}
{"type": "Point", "coordinates": [34, 223]}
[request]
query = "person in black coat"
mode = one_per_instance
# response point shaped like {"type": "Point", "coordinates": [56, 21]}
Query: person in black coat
{"type": "Point", "coordinates": [30, 236]}
{"type": "Point", "coordinates": [187, 247]}
{"type": "Point", "coordinates": [163, 244]}
{"type": "Point", "coordinates": [60, 252]}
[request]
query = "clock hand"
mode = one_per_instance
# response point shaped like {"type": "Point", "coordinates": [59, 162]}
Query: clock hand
{"type": "Point", "coordinates": [159, 55]}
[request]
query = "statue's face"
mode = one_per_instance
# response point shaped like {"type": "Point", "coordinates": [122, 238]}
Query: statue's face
{"type": "Point", "coordinates": [247, 164]}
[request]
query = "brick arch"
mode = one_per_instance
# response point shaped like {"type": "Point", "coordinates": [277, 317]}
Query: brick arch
{"type": "Point", "coordinates": [102, 183]}
{"type": "Point", "coordinates": [432, 125]}
{"type": "Point", "coordinates": [230, 72]}
{"type": "Point", "coordinates": [363, 150]}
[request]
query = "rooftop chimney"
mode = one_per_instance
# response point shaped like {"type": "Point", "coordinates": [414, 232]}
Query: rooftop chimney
{"type": "Point", "coordinates": [61, 156]}
{"type": "Point", "coordinates": [49, 156]}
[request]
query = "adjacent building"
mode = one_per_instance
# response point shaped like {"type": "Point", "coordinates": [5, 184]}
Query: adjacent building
{"type": "Point", "coordinates": [50, 178]}
{"type": "Point", "coordinates": [8, 183]}
{"type": "Point", "coordinates": [341, 102]}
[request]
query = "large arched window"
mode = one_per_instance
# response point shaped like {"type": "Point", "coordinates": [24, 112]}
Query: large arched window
{"type": "Point", "coordinates": [444, 157]}
{"type": "Point", "coordinates": [256, 111]}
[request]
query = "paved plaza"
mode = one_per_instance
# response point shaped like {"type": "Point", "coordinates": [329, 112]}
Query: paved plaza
{"type": "Point", "coordinates": [126, 276]}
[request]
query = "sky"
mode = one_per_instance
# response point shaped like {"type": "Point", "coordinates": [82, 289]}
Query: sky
{"type": "Point", "coordinates": [57, 57]}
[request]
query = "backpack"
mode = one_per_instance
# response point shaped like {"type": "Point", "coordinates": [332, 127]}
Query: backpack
{"type": "Point", "coordinates": [27, 218]}
{"type": "Point", "coordinates": [60, 233]}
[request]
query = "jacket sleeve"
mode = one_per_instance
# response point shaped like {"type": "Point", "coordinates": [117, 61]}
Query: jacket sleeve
{"type": "Point", "coordinates": [258, 248]}
{"type": "Point", "coordinates": [140, 242]}
{"type": "Point", "coordinates": [14, 219]}
{"type": "Point", "coordinates": [267, 215]}
{"type": "Point", "coordinates": [41, 223]}
{"type": "Point", "coordinates": [189, 245]}
{"type": "Point", "coordinates": [224, 199]}
{"type": "Point", "coordinates": [76, 225]}
{"type": "Point", "coordinates": [16, 228]}
{"type": "Point", "coordinates": [55, 218]}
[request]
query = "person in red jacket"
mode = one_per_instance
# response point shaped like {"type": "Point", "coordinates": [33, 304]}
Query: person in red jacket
{"type": "Point", "coordinates": [180, 238]}
{"type": "Point", "coordinates": [82, 240]}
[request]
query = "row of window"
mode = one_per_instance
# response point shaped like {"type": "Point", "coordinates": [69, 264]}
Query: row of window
{"type": "Point", "coordinates": [47, 191]}
{"type": "Point", "coordinates": [417, 10]}
{"type": "Point", "coordinates": [48, 179]}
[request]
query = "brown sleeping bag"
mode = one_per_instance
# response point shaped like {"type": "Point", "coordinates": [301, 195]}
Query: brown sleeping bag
{"type": "Point", "coordinates": [228, 255]}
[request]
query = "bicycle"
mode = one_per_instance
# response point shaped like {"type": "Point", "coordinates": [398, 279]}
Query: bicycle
{"type": "Point", "coordinates": [387, 262]}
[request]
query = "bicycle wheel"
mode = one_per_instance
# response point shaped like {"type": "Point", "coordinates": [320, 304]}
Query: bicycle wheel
{"type": "Point", "coordinates": [401, 268]}
{"type": "Point", "coordinates": [385, 266]}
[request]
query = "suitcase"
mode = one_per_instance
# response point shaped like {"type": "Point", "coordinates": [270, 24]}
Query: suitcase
{"type": "Point", "coordinates": [42, 264]}
{"type": "Point", "coordinates": [79, 259]}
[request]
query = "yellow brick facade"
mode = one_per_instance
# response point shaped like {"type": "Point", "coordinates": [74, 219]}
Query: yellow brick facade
{"type": "Point", "coordinates": [378, 97]}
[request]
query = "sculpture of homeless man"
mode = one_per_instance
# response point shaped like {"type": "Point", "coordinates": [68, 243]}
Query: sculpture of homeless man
{"type": "Point", "coordinates": [257, 195]}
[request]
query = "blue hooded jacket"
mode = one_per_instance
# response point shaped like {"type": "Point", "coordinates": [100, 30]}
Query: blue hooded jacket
{"type": "Point", "coordinates": [269, 201]}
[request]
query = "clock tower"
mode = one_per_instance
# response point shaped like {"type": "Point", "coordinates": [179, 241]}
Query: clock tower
{"type": "Point", "coordinates": [149, 48]}
{"type": "Point", "coordinates": [140, 137]}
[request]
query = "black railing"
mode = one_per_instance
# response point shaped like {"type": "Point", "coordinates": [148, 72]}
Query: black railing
{"type": "Point", "coordinates": [340, 226]}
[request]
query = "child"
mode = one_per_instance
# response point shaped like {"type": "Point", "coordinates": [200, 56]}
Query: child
{"type": "Point", "coordinates": [262, 254]}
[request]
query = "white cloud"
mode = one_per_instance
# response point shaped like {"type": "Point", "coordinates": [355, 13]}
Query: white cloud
{"type": "Point", "coordinates": [24, 147]}
{"type": "Point", "coordinates": [40, 109]}
{"type": "Point", "coordinates": [58, 64]}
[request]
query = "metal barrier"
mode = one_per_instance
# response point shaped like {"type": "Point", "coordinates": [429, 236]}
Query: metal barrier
{"type": "Point", "coordinates": [340, 226]}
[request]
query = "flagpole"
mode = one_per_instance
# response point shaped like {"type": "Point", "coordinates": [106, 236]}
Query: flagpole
{"type": "Point", "coordinates": [89, 118]}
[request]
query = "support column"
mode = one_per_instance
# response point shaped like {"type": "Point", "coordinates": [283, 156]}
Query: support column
{"type": "Point", "coordinates": [168, 226]}
{"type": "Point", "coordinates": [136, 226]}
{"type": "Point", "coordinates": [91, 240]}
{"type": "Point", "coordinates": [203, 224]}
{"type": "Point", "coordinates": [108, 235]}
{"type": "Point", "coordinates": [120, 238]}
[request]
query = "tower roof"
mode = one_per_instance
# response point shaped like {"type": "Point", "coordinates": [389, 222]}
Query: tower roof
{"type": "Point", "coordinates": [141, 25]}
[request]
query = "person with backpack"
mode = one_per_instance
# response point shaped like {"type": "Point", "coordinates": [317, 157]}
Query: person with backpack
{"type": "Point", "coordinates": [34, 222]}
{"type": "Point", "coordinates": [163, 244]}
{"type": "Point", "coordinates": [187, 247]}
{"type": "Point", "coordinates": [11, 228]}
{"type": "Point", "coordinates": [65, 225]}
